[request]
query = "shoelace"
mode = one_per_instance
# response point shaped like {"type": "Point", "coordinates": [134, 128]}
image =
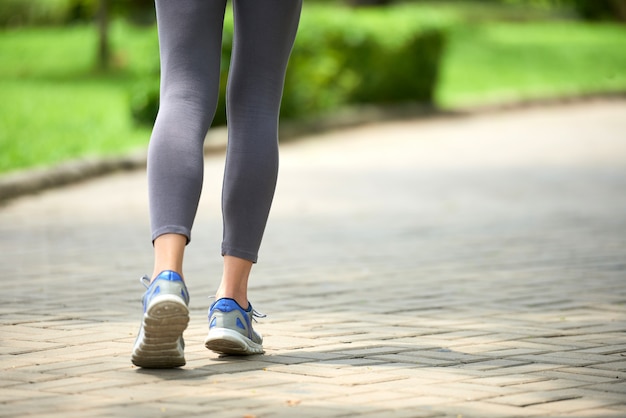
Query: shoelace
{"type": "Point", "coordinates": [145, 280]}
{"type": "Point", "coordinates": [256, 314]}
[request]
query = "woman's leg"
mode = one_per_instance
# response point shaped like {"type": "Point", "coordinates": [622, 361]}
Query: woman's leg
{"type": "Point", "coordinates": [265, 31]}
{"type": "Point", "coordinates": [264, 34]}
{"type": "Point", "coordinates": [190, 39]}
{"type": "Point", "coordinates": [190, 33]}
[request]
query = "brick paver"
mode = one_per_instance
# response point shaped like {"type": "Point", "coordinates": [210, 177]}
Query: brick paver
{"type": "Point", "coordinates": [470, 265]}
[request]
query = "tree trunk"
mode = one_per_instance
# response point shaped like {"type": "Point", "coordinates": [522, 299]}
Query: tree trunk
{"type": "Point", "coordinates": [619, 6]}
{"type": "Point", "coordinates": [104, 52]}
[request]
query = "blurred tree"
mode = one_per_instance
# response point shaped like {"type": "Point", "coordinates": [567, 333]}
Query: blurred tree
{"type": "Point", "coordinates": [587, 9]}
{"type": "Point", "coordinates": [369, 2]}
{"type": "Point", "coordinates": [137, 11]}
{"type": "Point", "coordinates": [140, 12]}
{"type": "Point", "coordinates": [82, 10]}
{"type": "Point", "coordinates": [104, 50]}
{"type": "Point", "coordinates": [32, 12]}
{"type": "Point", "coordinates": [602, 9]}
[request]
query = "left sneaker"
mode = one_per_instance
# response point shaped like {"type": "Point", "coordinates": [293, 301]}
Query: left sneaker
{"type": "Point", "coordinates": [160, 341]}
{"type": "Point", "coordinates": [230, 329]}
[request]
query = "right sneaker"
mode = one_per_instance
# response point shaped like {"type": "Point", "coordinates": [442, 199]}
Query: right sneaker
{"type": "Point", "coordinates": [160, 341]}
{"type": "Point", "coordinates": [230, 329]}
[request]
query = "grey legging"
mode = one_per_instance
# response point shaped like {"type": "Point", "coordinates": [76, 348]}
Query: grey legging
{"type": "Point", "coordinates": [190, 38]}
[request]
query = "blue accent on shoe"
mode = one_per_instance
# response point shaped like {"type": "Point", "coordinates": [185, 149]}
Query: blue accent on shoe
{"type": "Point", "coordinates": [155, 289]}
{"type": "Point", "coordinates": [229, 305]}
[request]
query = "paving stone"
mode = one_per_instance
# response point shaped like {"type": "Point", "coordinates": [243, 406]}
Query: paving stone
{"type": "Point", "coordinates": [507, 380]}
{"type": "Point", "coordinates": [50, 385]}
{"type": "Point", "coordinates": [575, 376]}
{"type": "Point", "coordinates": [616, 366]}
{"type": "Point", "coordinates": [415, 360]}
{"type": "Point", "coordinates": [403, 413]}
{"type": "Point", "coordinates": [604, 349]}
{"type": "Point", "coordinates": [568, 358]}
{"type": "Point", "coordinates": [499, 364]}
{"type": "Point", "coordinates": [487, 409]}
{"type": "Point", "coordinates": [573, 405]}
{"type": "Point", "coordinates": [533, 398]}
{"type": "Point", "coordinates": [513, 369]}
{"type": "Point", "coordinates": [587, 393]}
{"type": "Point", "coordinates": [596, 412]}
{"type": "Point", "coordinates": [616, 386]}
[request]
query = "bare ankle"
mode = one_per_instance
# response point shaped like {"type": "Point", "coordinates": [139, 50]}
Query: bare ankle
{"type": "Point", "coordinates": [241, 297]}
{"type": "Point", "coordinates": [169, 251]}
{"type": "Point", "coordinates": [234, 283]}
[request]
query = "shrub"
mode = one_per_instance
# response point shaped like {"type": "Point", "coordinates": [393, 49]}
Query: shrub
{"type": "Point", "coordinates": [364, 56]}
{"type": "Point", "coordinates": [601, 9]}
{"type": "Point", "coordinates": [344, 56]}
{"type": "Point", "coordinates": [33, 12]}
{"type": "Point", "coordinates": [586, 9]}
{"type": "Point", "coordinates": [144, 100]}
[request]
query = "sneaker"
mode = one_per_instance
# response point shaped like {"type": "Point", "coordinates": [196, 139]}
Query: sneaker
{"type": "Point", "coordinates": [165, 316]}
{"type": "Point", "coordinates": [230, 329]}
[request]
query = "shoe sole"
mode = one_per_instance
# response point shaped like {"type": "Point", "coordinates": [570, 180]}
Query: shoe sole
{"type": "Point", "coordinates": [163, 324]}
{"type": "Point", "coordinates": [226, 341]}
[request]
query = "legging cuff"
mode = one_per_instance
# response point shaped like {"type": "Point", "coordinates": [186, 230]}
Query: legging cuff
{"type": "Point", "coordinates": [246, 255]}
{"type": "Point", "coordinates": [172, 229]}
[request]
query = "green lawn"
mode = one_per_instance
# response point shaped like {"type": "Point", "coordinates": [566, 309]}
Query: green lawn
{"type": "Point", "coordinates": [55, 107]}
{"type": "Point", "coordinates": [504, 62]}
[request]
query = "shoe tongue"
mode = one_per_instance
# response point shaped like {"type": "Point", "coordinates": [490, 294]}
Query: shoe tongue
{"type": "Point", "coordinates": [231, 301]}
{"type": "Point", "coordinates": [169, 275]}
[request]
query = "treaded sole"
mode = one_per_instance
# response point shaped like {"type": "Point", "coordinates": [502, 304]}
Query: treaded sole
{"type": "Point", "coordinates": [159, 344]}
{"type": "Point", "coordinates": [226, 341]}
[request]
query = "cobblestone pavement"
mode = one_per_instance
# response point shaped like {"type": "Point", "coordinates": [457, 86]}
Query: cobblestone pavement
{"type": "Point", "coordinates": [468, 266]}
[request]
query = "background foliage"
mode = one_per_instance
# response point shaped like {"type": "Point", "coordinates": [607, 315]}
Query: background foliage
{"type": "Point", "coordinates": [54, 12]}
{"type": "Point", "coordinates": [58, 105]}
{"type": "Point", "coordinates": [343, 57]}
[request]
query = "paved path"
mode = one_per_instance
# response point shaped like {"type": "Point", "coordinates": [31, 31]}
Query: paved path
{"type": "Point", "coordinates": [470, 266]}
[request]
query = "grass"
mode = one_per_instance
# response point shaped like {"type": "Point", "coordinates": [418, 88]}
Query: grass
{"type": "Point", "coordinates": [56, 107]}
{"type": "Point", "coordinates": [503, 62]}
{"type": "Point", "coordinates": [46, 122]}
